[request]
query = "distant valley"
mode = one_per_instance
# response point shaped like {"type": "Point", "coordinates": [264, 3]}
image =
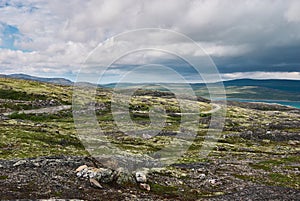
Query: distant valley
{"type": "Point", "coordinates": [40, 147]}
{"type": "Point", "coordinates": [285, 92]}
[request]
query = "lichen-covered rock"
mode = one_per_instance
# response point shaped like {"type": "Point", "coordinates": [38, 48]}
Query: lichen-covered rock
{"type": "Point", "coordinates": [140, 177]}
{"type": "Point", "coordinates": [104, 175]}
{"type": "Point", "coordinates": [124, 178]}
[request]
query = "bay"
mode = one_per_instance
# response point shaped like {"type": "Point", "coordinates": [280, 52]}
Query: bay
{"type": "Point", "coordinates": [295, 104]}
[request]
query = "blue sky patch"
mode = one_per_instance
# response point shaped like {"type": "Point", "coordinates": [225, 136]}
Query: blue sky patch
{"type": "Point", "coordinates": [9, 35]}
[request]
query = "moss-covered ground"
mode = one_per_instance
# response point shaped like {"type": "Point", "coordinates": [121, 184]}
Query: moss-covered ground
{"type": "Point", "coordinates": [256, 146]}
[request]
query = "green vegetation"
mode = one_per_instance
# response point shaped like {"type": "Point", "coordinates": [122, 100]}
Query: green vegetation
{"type": "Point", "coordinates": [23, 140]}
{"type": "Point", "coordinates": [32, 135]}
{"type": "Point", "coordinates": [164, 190]}
{"type": "Point", "coordinates": [244, 151]}
{"type": "Point", "coordinates": [283, 180]}
{"type": "Point", "coordinates": [3, 177]}
{"type": "Point", "coordinates": [65, 115]}
{"type": "Point", "coordinates": [16, 106]}
{"type": "Point", "coordinates": [15, 89]}
{"type": "Point", "coordinates": [20, 95]}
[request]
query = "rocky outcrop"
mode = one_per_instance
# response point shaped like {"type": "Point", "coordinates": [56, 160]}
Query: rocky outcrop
{"type": "Point", "coordinates": [121, 177]}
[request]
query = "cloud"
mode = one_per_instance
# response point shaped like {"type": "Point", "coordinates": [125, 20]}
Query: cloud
{"type": "Point", "coordinates": [262, 75]}
{"type": "Point", "coordinates": [293, 12]}
{"type": "Point", "coordinates": [250, 35]}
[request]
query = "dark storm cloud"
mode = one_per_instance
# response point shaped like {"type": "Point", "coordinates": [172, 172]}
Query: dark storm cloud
{"type": "Point", "coordinates": [276, 59]}
{"type": "Point", "coordinates": [241, 36]}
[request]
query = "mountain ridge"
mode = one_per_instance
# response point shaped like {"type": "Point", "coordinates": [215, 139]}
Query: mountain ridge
{"type": "Point", "coordinates": [61, 81]}
{"type": "Point", "coordinates": [275, 89]}
{"type": "Point", "coordinates": [244, 81]}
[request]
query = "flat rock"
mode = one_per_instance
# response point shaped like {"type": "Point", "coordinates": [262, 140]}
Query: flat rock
{"type": "Point", "coordinates": [140, 177]}
{"type": "Point", "coordinates": [145, 186]}
{"type": "Point", "coordinates": [95, 183]}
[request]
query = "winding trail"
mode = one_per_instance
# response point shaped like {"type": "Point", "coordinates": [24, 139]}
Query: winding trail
{"type": "Point", "coordinates": [49, 110]}
{"type": "Point", "coordinates": [55, 109]}
{"type": "Point", "coordinates": [216, 108]}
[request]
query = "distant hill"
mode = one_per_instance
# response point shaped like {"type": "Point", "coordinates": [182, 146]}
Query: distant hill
{"type": "Point", "coordinates": [61, 81]}
{"type": "Point", "coordinates": [278, 84]}
{"type": "Point", "coordinates": [272, 89]}
{"type": "Point", "coordinates": [283, 85]}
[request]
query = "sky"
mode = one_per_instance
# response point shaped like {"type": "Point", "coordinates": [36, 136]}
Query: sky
{"type": "Point", "coordinates": [244, 38]}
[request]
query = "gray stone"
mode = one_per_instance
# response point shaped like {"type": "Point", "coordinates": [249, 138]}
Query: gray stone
{"type": "Point", "coordinates": [125, 179]}
{"type": "Point", "coordinates": [140, 177]}
{"type": "Point", "coordinates": [202, 176]}
{"type": "Point", "coordinates": [20, 162]}
{"type": "Point", "coordinates": [95, 183]}
{"type": "Point", "coordinates": [105, 175]}
{"type": "Point", "coordinates": [145, 186]}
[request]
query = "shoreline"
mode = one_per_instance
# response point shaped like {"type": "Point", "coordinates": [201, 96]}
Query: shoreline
{"type": "Point", "coordinates": [268, 101]}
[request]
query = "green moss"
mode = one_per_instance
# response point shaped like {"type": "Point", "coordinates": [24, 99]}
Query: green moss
{"type": "Point", "coordinates": [163, 190]}
{"type": "Point", "coordinates": [31, 90]}
{"type": "Point", "coordinates": [57, 193]}
{"type": "Point", "coordinates": [20, 95]}
{"type": "Point", "coordinates": [17, 106]}
{"type": "Point", "coordinates": [265, 167]}
{"type": "Point", "coordinates": [269, 164]}
{"type": "Point", "coordinates": [280, 178]}
{"type": "Point", "coordinates": [105, 117]}
{"type": "Point", "coordinates": [41, 117]}
{"type": "Point", "coordinates": [26, 139]}
{"type": "Point", "coordinates": [245, 177]}
{"type": "Point", "coordinates": [3, 177]}
{"type": "Point", "coordinates": [290, 180]}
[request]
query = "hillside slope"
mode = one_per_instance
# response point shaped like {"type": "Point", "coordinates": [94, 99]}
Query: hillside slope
{"type": "Point", "coordinates": [257, 151]}
{"type": "Point", "coordinates": [61, 81]}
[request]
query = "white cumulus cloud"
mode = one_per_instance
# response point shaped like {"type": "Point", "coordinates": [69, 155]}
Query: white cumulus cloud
{"type": "Point", "coordinates": [62, 33]}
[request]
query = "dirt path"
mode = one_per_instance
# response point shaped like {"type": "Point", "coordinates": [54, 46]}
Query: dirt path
{"type": "Point", "coordinates": [49, 110]}
{"type": "Point", "coordinates": [215, 109]}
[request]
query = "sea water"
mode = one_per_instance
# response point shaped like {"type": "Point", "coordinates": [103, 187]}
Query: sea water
{"type": "Point", "coordinates": [295, 104]}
